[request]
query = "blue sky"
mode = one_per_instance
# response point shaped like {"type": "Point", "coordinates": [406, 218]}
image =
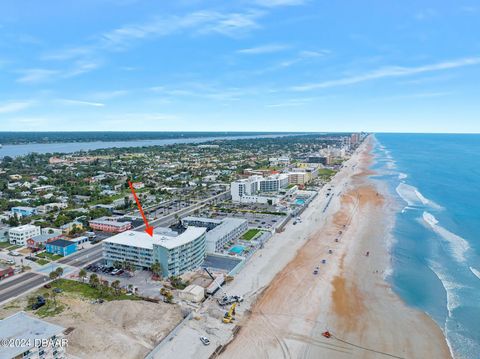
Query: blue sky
{"type": "Point", "coordinates": [247, 65]}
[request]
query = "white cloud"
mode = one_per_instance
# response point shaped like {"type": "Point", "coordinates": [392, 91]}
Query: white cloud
{"type": "Point", "coordinates": [36, 75]}
{"type": "Point", "coordinates": [108, 95]}
{"type": "Point", "coordinates": [387, 72]}
{"type": "Point", "coordinates": [264, 49]}
{"type": "Point", "coordinates": [10, 107]}
{"type": "Point", "coordinates": [81, 103]}
{"type": "Point", "coordinates": [201, 22]}
{"type": "Point", "coordinates": [275, 3]}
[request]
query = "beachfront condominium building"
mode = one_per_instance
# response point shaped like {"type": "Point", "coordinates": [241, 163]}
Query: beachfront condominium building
{"type": "Point", "coordinates": [176, 254]}
{"type": "Point", "coordinates": [19, 235]}
{"type": "Point", "coordinates": [31, 338]}
{"type": "Point", "coordinates": [248, 189]}
{"type": "Point", "coordinates": [109, 224]}
{"type": "Point", "coordinates": [219, 232]}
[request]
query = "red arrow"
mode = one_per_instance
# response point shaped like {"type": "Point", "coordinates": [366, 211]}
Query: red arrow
{"type": "Point", "coordinates": [148, 228]}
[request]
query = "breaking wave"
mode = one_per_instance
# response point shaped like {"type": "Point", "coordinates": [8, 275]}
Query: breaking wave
{"type": "Point", "coordinates": [458, 245]}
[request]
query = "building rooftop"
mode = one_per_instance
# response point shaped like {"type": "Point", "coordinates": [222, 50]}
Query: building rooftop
{"type": "Point", "coordinates": [22, 326]}
{"type": "Point", "coordinates": [61, 243]}
{"type": "Point", "coordinates": [108, 221]}
{"type": "Point", "coordinates": [143, 240]}
{"type": "Point", "coordinates": [228, 224]}
{"type": "Point", "coordinates": [23, 227]}
{"type": "Point", "coordinates": [202, 219]}
{"type": "Point", "coordinates": [44, 237]}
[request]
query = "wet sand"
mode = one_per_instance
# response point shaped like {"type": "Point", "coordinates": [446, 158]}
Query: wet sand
{"type": "Point", "coordinates": [349, 297]}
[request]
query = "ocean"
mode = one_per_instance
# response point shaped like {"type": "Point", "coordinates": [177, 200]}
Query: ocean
{"type": "Point", "coordinates": [436, 239]}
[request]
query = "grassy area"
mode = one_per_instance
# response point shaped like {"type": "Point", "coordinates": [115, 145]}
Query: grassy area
{"type": "Point", "coordinates": [42, 261]}
{"type": "Point", "coordinates": [250, 234]}
{"type": "Point", "coordinates": [50, 309]}
{"type": "Point", "coordinates": [50, 256]}
{"type": "Point", "coordinates": [5, 244]}
{"type": "Point", "coordinates": [326, 172]}
{"type": "Point", "coordinates": [85, 290]}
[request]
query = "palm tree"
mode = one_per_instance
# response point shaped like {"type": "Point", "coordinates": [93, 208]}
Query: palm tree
{"type": "Point", "coordinates": [156, 268]}
{"type": "Point", "coordinates": [116, 286]}
{"type": "Point", "coordinates": [94, 281]}
{"type": "Point", "coordinates": [82, 274]}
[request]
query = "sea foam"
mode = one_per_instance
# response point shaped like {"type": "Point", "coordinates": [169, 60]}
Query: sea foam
{"type": "Point", "coordinates": [413, 197]}
{"type": "Point", "coordinates": [476, 272]}
{"type": "Point", "coordinates": [458, 245]}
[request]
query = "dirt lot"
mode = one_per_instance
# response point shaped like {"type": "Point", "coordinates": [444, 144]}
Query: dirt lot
{"type": "Point", "coordinates": [116, 329]}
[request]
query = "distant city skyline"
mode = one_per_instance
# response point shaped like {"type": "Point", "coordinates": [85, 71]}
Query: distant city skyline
{"type": "Point", "coordinates": [246, 65]}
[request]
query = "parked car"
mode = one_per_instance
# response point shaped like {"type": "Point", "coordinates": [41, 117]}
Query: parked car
{"type": "Point", "coordinates": [10, 261]}
{"type": "Point", "coordinates": [39, 303]}
{"type": "Point", "coordinates": [48, 286]}
{"type": "Point", "coordinates": [57, 290]}
{"type": "Point", "coordinates": [205, 340]}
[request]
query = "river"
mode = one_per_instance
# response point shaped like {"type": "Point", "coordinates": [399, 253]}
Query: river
{"type": "Point", "coordinates": [70, 147]}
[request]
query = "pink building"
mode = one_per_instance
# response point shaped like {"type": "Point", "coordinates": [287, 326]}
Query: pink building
{"type": "Point", "coordinates": [108, 224]}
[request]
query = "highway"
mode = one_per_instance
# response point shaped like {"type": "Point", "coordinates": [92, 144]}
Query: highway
{"type": "Point", "coordinates": [83, 257]}
{"type": "Point", "coordinates": [20, 285]}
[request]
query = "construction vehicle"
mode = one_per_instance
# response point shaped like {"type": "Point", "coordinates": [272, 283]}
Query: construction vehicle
{"type": "Point", "coordinates": [230, 315]}
{"type": "Point", "coordinates": [225, 299]}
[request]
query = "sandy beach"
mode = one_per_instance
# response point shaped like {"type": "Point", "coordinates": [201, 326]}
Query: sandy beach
{"type": "Point", "coordinates": [287, 307]}
{"type": "Point", "coordinates": [349, 297]}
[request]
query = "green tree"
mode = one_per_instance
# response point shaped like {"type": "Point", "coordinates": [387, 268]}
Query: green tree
{"type": "Point", "coordinates": [93, 280]}
{"type": "Point", "coordinates": [82, 274]}
{"type": "Point", "coordinates": [59, 271]}
{"type": "Point", "coordinates": [116, 286]}
{"type": "Point", "coordinates": [53, 275]}
{"type": "Point", "coordinates": [156, 268]}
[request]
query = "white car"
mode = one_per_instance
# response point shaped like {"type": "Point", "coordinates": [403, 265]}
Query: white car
{"type": "Point", "coordinates": [13, 253]}
{"type": "Point", "coordinates": [10, 261]}
{"type": "Point", "coordinates": [205, 340]}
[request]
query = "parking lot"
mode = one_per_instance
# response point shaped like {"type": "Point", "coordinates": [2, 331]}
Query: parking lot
{"type": "Point", "coordinates": [141, 280]}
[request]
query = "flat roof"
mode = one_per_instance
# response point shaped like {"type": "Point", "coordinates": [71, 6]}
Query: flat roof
{"type": "Point", "coordinates": [23, 227]}
{"type": "Point", "coordinates": [143, 240]}
{"type": "Point", "coordinates": [61, 243]}
{"type": "Point", "coordinates": [22, 326]}
{"type": "Point", "coordinates": [45, 237]}
{"type": "Point", "coordinates": [202, 219]}
{"type": "Point", "coordinates": [228, 224]}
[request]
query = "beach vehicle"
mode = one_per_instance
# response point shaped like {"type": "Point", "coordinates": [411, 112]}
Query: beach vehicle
{"type": "Point", "coordinates": [205, 340]}
{"type": "Point", "coordinates": [327, 334]}
{"type": "Point", "coordinates": [315, 271]}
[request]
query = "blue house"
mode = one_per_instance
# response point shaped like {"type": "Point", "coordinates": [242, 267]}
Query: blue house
{"type": "Point", "coordinates": [61, 247]}
{"type": "Point", "coordinates": [24, 211]}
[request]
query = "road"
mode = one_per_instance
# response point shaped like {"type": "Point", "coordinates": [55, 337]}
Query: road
{"type": "Point", "coordinates": [27, 281]}
{"type": "Point", "coordinates": [83, 257]}
{"type": "Point", "coordinates": [170, 218]}
{"type": "Point", "coordinates": [20, 285]}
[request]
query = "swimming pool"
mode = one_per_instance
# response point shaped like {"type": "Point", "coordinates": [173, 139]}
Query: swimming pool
{"type": "Point", "coordinates": [237, 249]}
{"type": "Point", "coordinates": [300, 202]}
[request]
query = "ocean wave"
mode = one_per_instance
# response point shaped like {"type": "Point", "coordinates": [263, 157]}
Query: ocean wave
{"type": "Point", "coordinates": [458, 245]}
{"type": "Point", "coordinates": [413, 197]}
{"type": "Point", "coordinates": [451, 287]}
{"type": "Point", "coordinates": [402, 176]}
{"type": "Point", "coordinates": [476, 272]}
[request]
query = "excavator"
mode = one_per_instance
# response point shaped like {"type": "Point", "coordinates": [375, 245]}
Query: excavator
{"type": "Point", "coordinates": [230, 315]}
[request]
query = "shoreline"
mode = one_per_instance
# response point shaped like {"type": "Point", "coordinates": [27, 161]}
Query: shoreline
{"type": "Point", "coordinates": [287, 307]}
{"type": "Point", "coordinates": [362, 311]}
